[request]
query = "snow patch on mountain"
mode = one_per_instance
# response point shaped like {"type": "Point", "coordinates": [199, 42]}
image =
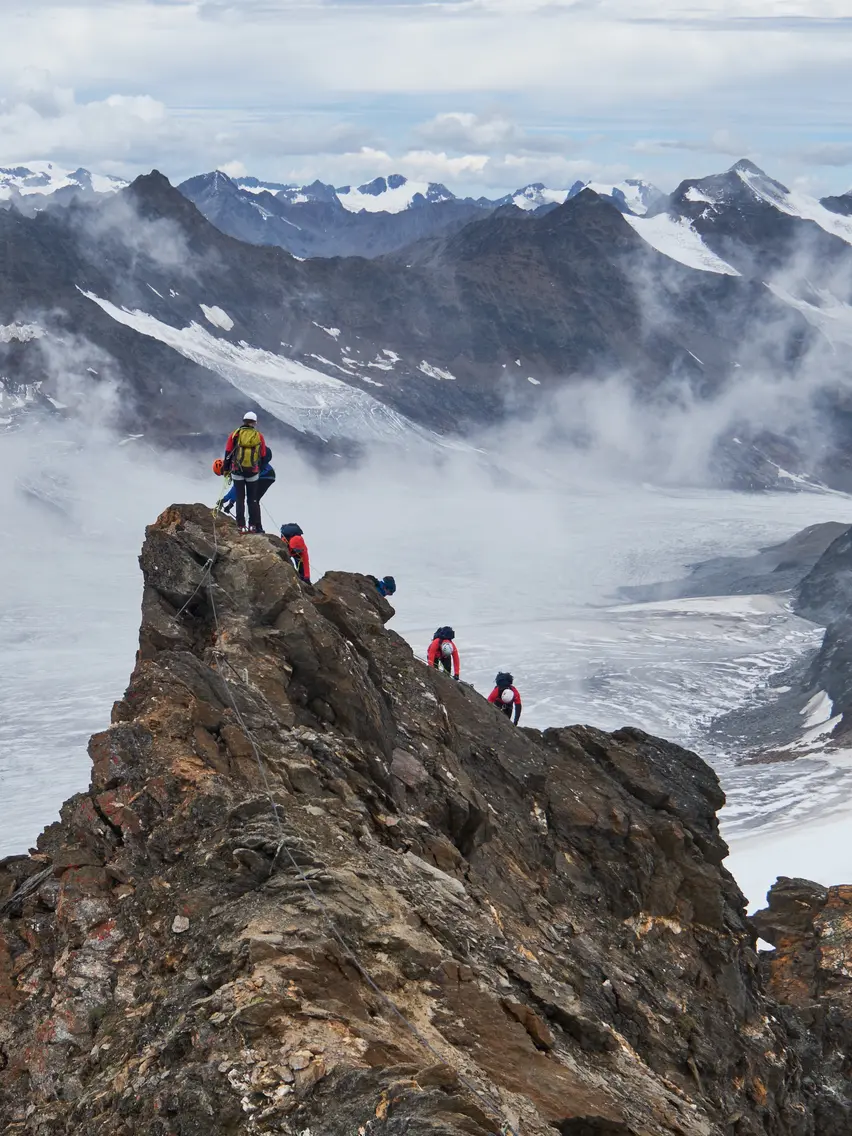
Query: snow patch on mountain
{"type": "Point", "coordinates": [676, 238]}
{"type": "Point", "coordinates": [391, 195]}
{"type": "Point", "coordinates": [21, 332]}
{"type": "Point", "coordinates": [253, 185]}
{"type": "Point", "coordinates": [218, 317]}
{"type": "Point", "coordinates": [696, 195]}
{"type": "Point", "coordinates": [435, 372]}
{"type": "Point", "coordinates": [794, 203]}
{"type": "Point", "coordinates": [638, 196]}
{"type": "Point", "coordinates": [632, 193]}
{"type": "Point", "coordinates": [304, 398]}
{"type": "Point", "coordinates": [46, 178]}
{"type": "Point", "coordinates": [535, 195]}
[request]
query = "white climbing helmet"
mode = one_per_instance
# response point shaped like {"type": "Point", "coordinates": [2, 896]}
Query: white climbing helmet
{"type": "Point", "coordinates": [508, 695]}
{"type": "Point", "coordinates": [446, 649]}
{"type": "Point", "coordinates": [250, 416]}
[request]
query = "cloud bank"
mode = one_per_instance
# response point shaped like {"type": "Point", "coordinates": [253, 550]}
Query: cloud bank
{"type": "Point", "coordinates": [481, 89]}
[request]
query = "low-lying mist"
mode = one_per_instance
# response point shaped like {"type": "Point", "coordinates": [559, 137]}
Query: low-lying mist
{"type": "Point", "coordinates": [521, 553]}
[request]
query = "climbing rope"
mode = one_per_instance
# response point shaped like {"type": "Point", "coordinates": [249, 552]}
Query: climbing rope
{"type": "Point", "coordinates": [490, 1103]}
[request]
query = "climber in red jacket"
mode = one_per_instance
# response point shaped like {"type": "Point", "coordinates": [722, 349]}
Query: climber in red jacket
{"type": "Point", "coordinates": [505, 696]}
{"type": "Point", "coordinates": [294, 539]}
{"type": "Point", "coordinates": [443, 652]}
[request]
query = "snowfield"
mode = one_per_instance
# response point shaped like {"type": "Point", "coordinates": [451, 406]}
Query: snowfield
{"type": "Point", "coordinates": [22, 332]}
{"type": "Point", "coordinates": [676, 238]}
{"type": "Point", "coordinates": [304, 398]}
{"type": "Point", "coordinates": [799, 205]}
{"type": "Point", "coordinates": [42, 177]}
{"type": "Point", "coordinates": [217, 317]}
{"type": "Point", "coordinates": [394, 200]}
{"type": "Point", "coordinates": [534, 196]}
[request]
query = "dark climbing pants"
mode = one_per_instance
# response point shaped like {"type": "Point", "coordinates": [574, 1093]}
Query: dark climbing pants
{"type": "Point", "coordinates": [248, 489]}
{"type": "Point", "coordinates": [299, 565]}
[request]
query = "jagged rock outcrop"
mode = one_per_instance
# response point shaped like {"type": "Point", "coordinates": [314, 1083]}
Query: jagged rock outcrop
{"type": "Point", "coordinates": [811, 928]}
{"type": "Point", "coordinates": [287, 802]}
{"type": "Point", "coordinates": [825, 594]}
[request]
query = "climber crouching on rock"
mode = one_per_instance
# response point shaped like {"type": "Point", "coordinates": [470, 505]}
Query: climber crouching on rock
{"type": "Point", "coordinates": [443, 652]}
{"type": "Point", "coordinates": [294, 541]}
{"type": "Point", "coordinates": [245, 450]}
{"type": "Point", "coordinates": [386, 586]}
{"type": "Point", "coordinates": [505, 696]}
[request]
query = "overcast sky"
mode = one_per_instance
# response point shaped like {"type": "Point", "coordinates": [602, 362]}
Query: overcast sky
{"type": "Point", "coordinates": [480, 94]}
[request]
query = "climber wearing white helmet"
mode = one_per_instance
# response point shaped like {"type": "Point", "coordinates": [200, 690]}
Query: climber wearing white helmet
{"type": "Point", "coordinates": [505, 696]}
{"type": "Point", "coordinates": [443, 652]}
{"type": "Point", "coordinates": [245, 451]}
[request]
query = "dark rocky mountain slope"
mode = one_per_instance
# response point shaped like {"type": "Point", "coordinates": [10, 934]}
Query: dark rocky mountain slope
{"type": "Point", "coordinates": [446, 334]}
{"type": "Point", "coordinates": [841, 203]}
{"type": "Point", "coordinates": [825, 596]}
{"type": "Point", "coordinates": [287, 802]}
{"type": "Point", "coordinates": [750, 220]}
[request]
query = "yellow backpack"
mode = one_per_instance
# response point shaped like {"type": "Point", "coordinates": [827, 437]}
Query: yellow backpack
{"type": "Point", "coordinates": [246, 450]}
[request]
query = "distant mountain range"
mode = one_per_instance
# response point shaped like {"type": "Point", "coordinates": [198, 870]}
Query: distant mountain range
{"type": "Point", "coordinates": [372, 219]}
{"type": "Point", "coordinates": [317, 219]}
{"type": "Point", "coordinates": [35, 185]}
{"type": "Point", "coordinates": [465, 312]}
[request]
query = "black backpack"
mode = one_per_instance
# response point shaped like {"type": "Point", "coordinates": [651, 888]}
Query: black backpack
{"type": "Point", "coordinates": [503, 680]}
{"type": "Point", "coordinates": [444, 633]}
{"type": "Point", "coordinates": [291, 530]}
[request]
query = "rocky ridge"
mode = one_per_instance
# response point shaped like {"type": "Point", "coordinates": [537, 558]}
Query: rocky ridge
{"type": "Point", "coordinates": [288, 802]}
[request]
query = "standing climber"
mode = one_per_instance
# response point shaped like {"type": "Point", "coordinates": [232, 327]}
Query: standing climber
{"type": "Point", "coordinates": [294, 539]}
{"type": "Point", "coordinates": [245, 450]}
{"type": "Point", "coordinates": [266, 480]}
{"type": "Point", "coordinates": [443, 651]}
{"type": "Point", "coordinates": [386, 586]}
{"type": "Point", "coordinates": [505, 696]}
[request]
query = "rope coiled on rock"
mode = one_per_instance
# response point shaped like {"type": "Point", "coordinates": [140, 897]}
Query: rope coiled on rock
{"type": "Point", "coordinates": [490, 1103]}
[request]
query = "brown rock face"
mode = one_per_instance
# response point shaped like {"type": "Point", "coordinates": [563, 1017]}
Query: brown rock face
{"type": "Point", "coordinates": [810, 972]}
{"type": "Point", "coordinates": [287, 802]}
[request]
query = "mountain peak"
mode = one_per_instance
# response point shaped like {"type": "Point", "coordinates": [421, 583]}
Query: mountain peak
{"type": "Point", "coordinates": [746, 166]}
{"type": "Point", "coordinates": [382, 185]}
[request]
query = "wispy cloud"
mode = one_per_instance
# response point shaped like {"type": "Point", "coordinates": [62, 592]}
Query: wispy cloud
{"type": "Point", "coordinates": [719, 142]}
{"type": "Point", "coordinates": [493, 133]}
{"type": "Point", "coordinates": [828, 154]}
